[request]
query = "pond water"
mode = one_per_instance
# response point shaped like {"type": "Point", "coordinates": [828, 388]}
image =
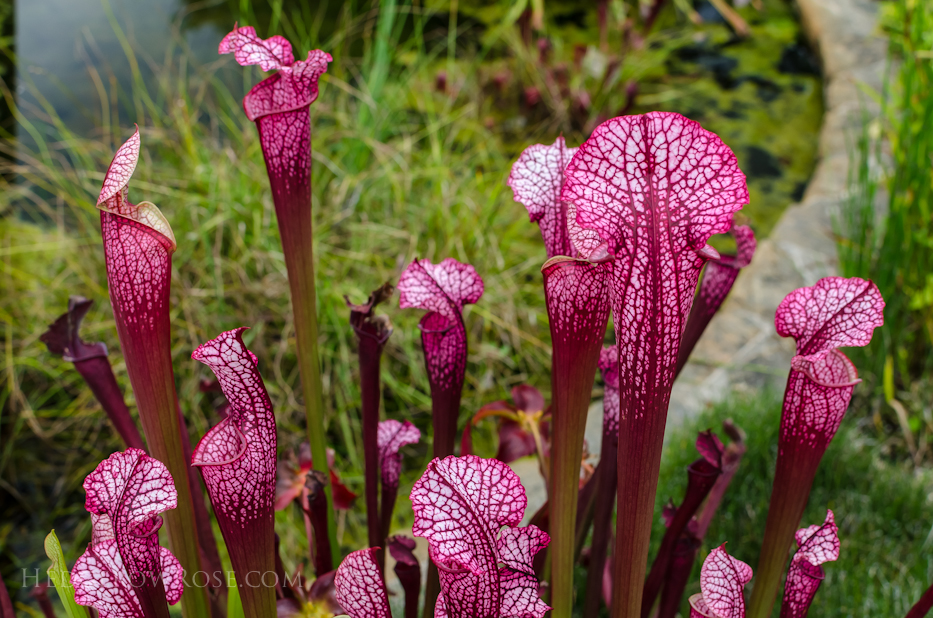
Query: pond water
{"type": "Point", "coordinates": [58, 40]}
{"type": "Point", "coordinates": [762, 94]}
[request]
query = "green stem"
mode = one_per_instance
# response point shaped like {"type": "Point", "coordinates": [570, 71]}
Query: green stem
{"type": "Point", "coordinates": [163, 435]}
{"type": "Point", "coordinates": [543, 464]}
{"type": "Point", "coordinates": [289, 168]}
{"type": "Point", "coordinates": [796, 469]}
{"type": "Point", "coordinates": [299, 262]}
{"type": "Point", "coordinates": [573, 369]}
{"type": "Point", "coordinates": [566, 454]}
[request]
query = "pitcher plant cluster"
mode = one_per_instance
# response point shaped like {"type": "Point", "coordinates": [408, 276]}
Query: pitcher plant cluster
{"type": "Point", "coordinates": [626, 220]}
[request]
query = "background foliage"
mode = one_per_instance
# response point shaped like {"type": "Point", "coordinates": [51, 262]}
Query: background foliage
{"type": "Point", "coordinates": [886, 234]}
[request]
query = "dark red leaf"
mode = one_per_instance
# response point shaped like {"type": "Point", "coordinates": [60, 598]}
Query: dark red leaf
{"type": "Point", "coordinates": [323, 590]}
{"type": "Point", "coordinates": [528, 399]}
{"type": "Point", "coordinates": [678, 575]}
{"type": "Point", "coordinates": [710, 447]}
{"type": "Point", "coordinates": [63, 338]}
{"type": "Point", "coordinates": [408, 570]}
{"type": "Point", "coordinates": [702, 476]}
{"type": "Point", "coordinates": [393, 435]}
{"type": "Point", "coordinates": [514, 442]}
{"type": "Point", "coordinates": [6, 604]}
{"type": "Point", "coordinates": [90, 359]}
{"type": "Point", "coordinates": [364, 320]}
{"type": "Point", "coordinates": [343, 497]}
{"type": "Point", "coordinates": [40, 594]}
{"type": "Point", "coordinates": [314, 503]}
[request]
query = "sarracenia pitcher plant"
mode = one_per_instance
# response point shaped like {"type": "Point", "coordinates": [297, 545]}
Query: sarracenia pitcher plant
{"type": "Point", "coordinates": [138, 247]}
{"type": "Point", "coordinates": [90, 359]}
{"type": "Point", "coordinates": [279, 105]}
{"type": "Point", "coordinates": [578, 310]}
{"type": "Point", "coordinates": [654, 188]}
{"type": "Point", "coordinates": [372, 332]}
{"type": "Point", "coordinates": [626, 219]}
{"type": "Point", "coordinates": [442, 290]}
{"type": "Point", "coordinates": [237, 460]}
{"type": "Point", "coordinates": [641, 197]}
{"type": "Point", "coordinates": [468, 509]}
{"type": "Point", "coordinates": [834, 313]}
{"type": "Point", "coordinates": [124, 572]}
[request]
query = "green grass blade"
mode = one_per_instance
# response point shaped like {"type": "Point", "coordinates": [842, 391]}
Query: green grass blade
{"type": "Point", "coordinates": [61, 578]}
{"type": "Point", "coordinates": [234, 605]}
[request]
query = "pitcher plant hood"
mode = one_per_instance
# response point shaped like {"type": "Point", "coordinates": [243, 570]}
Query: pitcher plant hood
{"type": "Point", "coordinates": [836, 312]}
{"type": "Point", "coordinates": [237, 461]}
{"type": "Point", "coordinates": [442, 290]}
{"type": "Point", "coordinates": [537, 179]}
{"type": "Point", "coordinates": [461, 505]}
{"type": "Point", "coordinates": [654, 188]}
{"type": "Point", "coordinates": [125, 572]}
{"type": "Point", "coordinates": [816, 545]}
{"type": "Point", "coordinates": [722, 584]}
{"type": "Point", "coordinates": [294, 86]}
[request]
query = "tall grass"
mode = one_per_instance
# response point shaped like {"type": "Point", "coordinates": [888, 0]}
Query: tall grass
{"type": "Point", "coordinates": [886, 231]}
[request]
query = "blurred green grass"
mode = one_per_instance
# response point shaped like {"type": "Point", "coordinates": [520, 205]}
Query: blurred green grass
{"type": "Point", "coordinates": [882, 510]}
